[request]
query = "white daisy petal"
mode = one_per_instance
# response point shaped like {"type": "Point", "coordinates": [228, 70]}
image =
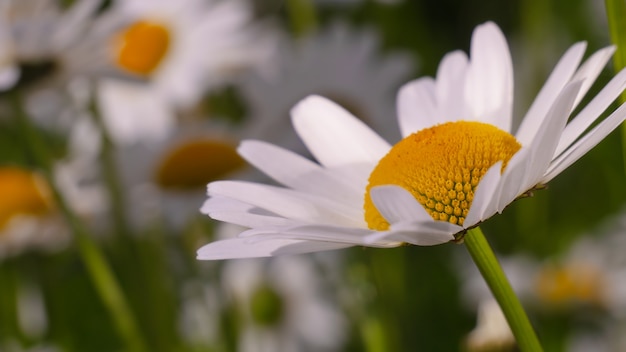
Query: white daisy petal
{"type": "Point", "coordinates": [396, 204]}
{"type": "Point", "coordinates": [242, 214]}
{"type": "Point", "coordinates": [513, 181]}
{"type": "Point", "coordinates": [238, 248]}
{"type": "Point", "coordinates": [590, 70]}
{"type": "Point", "coordinates": [489, 85]}
{"type": "Point", "coordinates": [416, 106]}
{"type": "Point", "coordinates": [559, 77]}
{"type": "Point", "coordinates": [418, 233]}
{"type": "Point", "coordinates": [543, 146]}
{"type": "Point", "coordinates": [287, 203]}
{"type": "Point", "coordinates": [333, 135]}
{"type": "Point", "coordinates": [295, 171]}
{"type": "Point", "coordinates": [591, 112]}
{"type": "Point", "coordinates": [351, 236]}
{"type": "Point", "coordinates": [450, 86]}
{"type": "Point", "coordinates": [582, 146]}
{"type": "Point", "coordinates": [483, 195]}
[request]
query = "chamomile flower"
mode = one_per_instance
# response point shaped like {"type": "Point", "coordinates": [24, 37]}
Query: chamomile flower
{"type": "Point", "coordinates": [39, 40]}
{"type": "Point", "coordinates": [458, 164]}
{"type": "Point", "coordinates": [29, 216]}
{"type": "Point", "coordinates": [45, 49]}
{"type": "Point", "coordinates": [179, 49]}
{"type": "Point", "coordinates": [163, 180]}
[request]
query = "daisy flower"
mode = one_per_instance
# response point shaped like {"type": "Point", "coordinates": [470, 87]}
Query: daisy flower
{"type": "Point", "coordinates": [162, 180]}
{"type": "Point", "coordinates": [179, 49]}
{"type": "Point", "coordinates": [45, 48]}
{"type": "Point", "coordinates": [29, 217]}
{"type": "Point", "coordinates": [339, 62]}
{"type": "Point", "coordinates": [38, 39]}
{"type": "Point", "coordinates": [458, 164]}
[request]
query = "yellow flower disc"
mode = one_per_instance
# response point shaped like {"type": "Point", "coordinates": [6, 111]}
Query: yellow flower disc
{"type": "Point", "coordinates": [196, 163]}
{"type": "Point", "coordinates": [23, 193]}
{"type": "Point", "coordinates": [441, 166]}
{"type": "Point", "coordinates": [143, 45]}
{"type": "Point", "coordinates": [576, 283]}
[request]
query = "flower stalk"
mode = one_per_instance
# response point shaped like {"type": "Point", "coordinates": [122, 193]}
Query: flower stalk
{"type": "Point", "coordinates": [96, 264]}
{"type": "Point", "coordinates": [492, 272]}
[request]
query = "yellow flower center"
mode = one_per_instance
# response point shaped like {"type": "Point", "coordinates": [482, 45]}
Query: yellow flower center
{"type": "Point", "coordinates": [441, 166]}
{"type": "Point", "coordinates": [22, 193]}
{"type": "Point", "coordinates": [142, 47]}
{"type": "Point", "coordinates": [575, 283]}
{"type": "Point", "coordinates": [196, 163]}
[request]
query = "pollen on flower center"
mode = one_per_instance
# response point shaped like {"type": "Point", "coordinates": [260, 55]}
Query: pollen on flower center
{"type": "Point", "coordinates": [441, 166]}
{"type": "Point", "coordinates": [142, 47]}
{"type": "Point", "coordinates": [196, 163]}
{"type": "Point", "coordinates": [23, 193]}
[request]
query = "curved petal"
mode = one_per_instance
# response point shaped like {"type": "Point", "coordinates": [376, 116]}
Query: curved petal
{"type": "Point", "coordinates": [237, 248]}
{"type": "Point", "coordinates": [418, 233]}
{"type": "Point", "coordinates": [333, 135]}
{"type": "Point", "coordinates": [513, 180]}
{"type": "Point", "coordinates": [591, 112]}
{"type": "Point", "coordinates": [544, 144]}
{"type": "Point", "coordinates": [561, 74]}
{"type": "Point", "coordinates": [489, 85]}
{"type": "Point", "coordinates": [582, 146]}
{"type": "Point", "coordinates": [483, 195]}
{"type": "Point", "coordinates": [416, 106]}
{"type": "Point", "coordinates": [396, 204]}
{"type": "Point", "coordinates": [589, 71]}
{"type": "Point", "coordinates": [299, 173]}
{"type": "Point", "coordinates": [243, 214]}
{"type": "Point", "coordinates": [450, 85]}
{"type": "Point", "coordinates": [351, 236]}
{"type": "Point", "coordinates": [288, 203]}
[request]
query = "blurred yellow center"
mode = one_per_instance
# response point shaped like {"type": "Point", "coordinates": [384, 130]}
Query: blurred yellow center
{"type": "Point", "coordinates": [196, 163]}
{"type": "Point", "coordinates": [570, 284]}
{"type": "Point", "coordinates": [143, 46]}
{"type": "Point", "coordinates": [441, 166]}
{"type": "Point", "coordinates": [21, 193]}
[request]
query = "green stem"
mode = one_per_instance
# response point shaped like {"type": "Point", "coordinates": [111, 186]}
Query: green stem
{"type": "Point", "coordinates": [616, 15]}
{"type": "Point", "coordinates": [9, 326]}
{"type": "Point", "coordinates": [101, 274]}
{"type": "Point", "coordinates": [111, 175]}
{"type": "Point", "coordinates": [302, 16]}
{"type": "Point", "coordinates": [486, 261]}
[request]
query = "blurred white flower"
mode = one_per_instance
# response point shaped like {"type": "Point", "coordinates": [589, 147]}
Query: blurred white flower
{"type": "Point", "coordinates": [45, 48]}
{"type": "Point", "coordinates": [492, 332]}
{"type": "Point", "coordinates": [29, 218]}
{"type": "Point", "coordinates": [179, 49]}
{"type": "Point", "coordinates": [339, 62]}
{"type": "Point", "coordinates": [39, 39]}
{"type": "Point", "coordinates": [166, 181]}
{"type": "Point", "coordinates": [282, 304]}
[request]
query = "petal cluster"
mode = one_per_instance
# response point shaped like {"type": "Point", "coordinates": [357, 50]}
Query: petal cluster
{"type": "Point", "coordinates": [321, 205]}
